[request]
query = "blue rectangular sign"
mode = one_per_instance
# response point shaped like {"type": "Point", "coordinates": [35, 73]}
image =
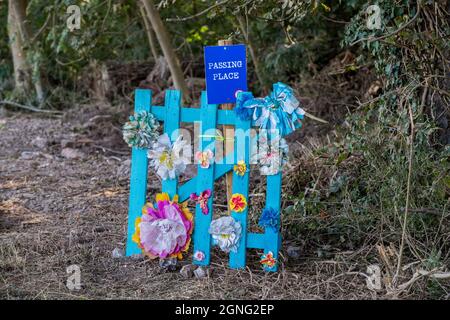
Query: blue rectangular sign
{"type": "Point", "coordinates": [225, 72]}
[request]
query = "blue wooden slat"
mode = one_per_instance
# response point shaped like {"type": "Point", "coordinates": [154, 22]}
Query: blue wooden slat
{"type": "Point", "coordinates": [255, 240]}
{"type": "Point", "coordinates": [188, 114]}
{"type": "Point", "coordinates": [272, 239]}
{"type": "Point", "coordinates": [224, 117]}
{"type": "Point", "coordinates": [205, 180]}
{"type": "Point", "coordinates": [138, 178]}
{"type": "Point", "coordinates": [171, 126]}
{"type": "Point", "coordinates": [185, 190]}
{"type": "Point", "coordinates": [159, 112]}
{"type": "Point", "coordinates": [240, 185]}
{"type": "Point", "coordinates": [221, 169]}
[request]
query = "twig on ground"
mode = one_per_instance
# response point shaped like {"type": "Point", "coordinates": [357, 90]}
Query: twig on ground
{"type": "Point", "coordinates": [308, 115]}
{"type": "Point", "coordinates": [110, 150]}
{"type": "Point", "coordinates": [30, 108]}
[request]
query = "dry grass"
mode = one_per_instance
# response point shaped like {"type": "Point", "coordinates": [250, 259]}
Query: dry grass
{"type": "Point", "coordinates": [56, 212]}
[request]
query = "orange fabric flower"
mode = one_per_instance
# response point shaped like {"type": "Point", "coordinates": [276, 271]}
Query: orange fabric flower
{"type": "Point", "coordinates": [267, 260]}
{"type": "Point", "coordinates": [238, 202]}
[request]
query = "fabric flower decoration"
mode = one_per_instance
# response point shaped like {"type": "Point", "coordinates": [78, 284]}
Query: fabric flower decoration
{"type": "Point", "coordinates": [244, 104]}
{"type": "Point", "coordinates": [267, 260]}
{"type": "Point", "coordinates": [204, 158]}
{"type": "Point", "coordinates": [199, 255]}
{"type": "Point", "coordinates": [280, 110]}
{"type": "Point", "coordinates": [226, 233]}
{"type": "Point", "coordinates": [240, 168]}
{"type": "Point", "coordinates": [270, 219]}
{"type": "Point", "coordinates": [169, 160]}
{"type": "Point", "coordinates": [164, 230]}
{"type": "Point", "coordinates": [141, 130]}
{"type": "Point", "coordinates": [238, 202]}
{"type": "Point", "coordinates": [202, 200]}
{"type": "Point", "coordinates": [271, 156]}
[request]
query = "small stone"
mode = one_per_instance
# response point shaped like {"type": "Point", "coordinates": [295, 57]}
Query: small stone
{"type": "Point", "coordinates": [187, 271]}
{"type": "Point", "coordinates": [118, 253]}
{"type": "Point", "coordinates": [28, 155]}
{"type": "Point", "coordinates": [293, 252]}
{"type": "Point", "coordinates": [100, 229]}
{"type": "Point", "coordinates": [137, 256]}
{"type": "Point", "coordinates": [70, 153]}
{"type": "Point", "coordinates": [39, 142]}
{"type": "Point", "coordinates": [170, 264]}
{"type": "Point", "coordinates": [200, 273]}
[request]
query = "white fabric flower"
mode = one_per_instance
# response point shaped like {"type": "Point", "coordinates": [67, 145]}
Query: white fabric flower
{"type": "Point", "coordinates": [169, 160]}
{"type": "Point", "coordinates": [226, 233]}
{"type": "Point", "coordinates": [271, 156]}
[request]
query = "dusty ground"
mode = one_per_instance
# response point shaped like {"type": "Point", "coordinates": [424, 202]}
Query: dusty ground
{"type": "Point", "coordinates": [56, 212]}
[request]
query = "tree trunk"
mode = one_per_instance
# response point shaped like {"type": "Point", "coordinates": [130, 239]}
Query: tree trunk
{"type": "Point", "coordinates": [150, 34]}
{"type": "Point", "coordinates": [22, 71]}
{"type": "Point", "coordinates": [19, 36]}
{"type": "Point", "coordinates": [251, 48]}
{"type": "Point", "coordinates": [166, 46]}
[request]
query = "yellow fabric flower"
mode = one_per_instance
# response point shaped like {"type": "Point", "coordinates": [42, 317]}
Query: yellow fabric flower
{"type": "Point", "coordinates": [240, 168]}
{"type": "Point", "coordinates": [238, 202]}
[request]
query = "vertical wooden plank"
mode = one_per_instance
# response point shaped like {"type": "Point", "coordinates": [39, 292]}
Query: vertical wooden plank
{"type": "Point", "coordinates": [138, 178]}
{"type": "Point", "coordinates": [171, 126]}
{"type": "Point", "coordinates": [272, 239]}
{"type": "Point", "coordinates": [205, 180]}
{"type": "Point", "coordinates": [240, 185]}
{"type": "Point", "coordinates": [228, 134]}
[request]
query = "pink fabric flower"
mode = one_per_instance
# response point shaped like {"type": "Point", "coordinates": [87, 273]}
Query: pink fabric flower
{"type": "Point", "coordinates": [199, 256]}
{"type": "Point", "coordinates": [202, 200]}
{"type": "Point", "coordinates": [165, 230]}
{"type": "Point", "coordinates": [204, 158]}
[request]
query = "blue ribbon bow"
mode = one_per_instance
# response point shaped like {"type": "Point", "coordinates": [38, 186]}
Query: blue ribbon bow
{"type": "Point", "coordinates": [279, 110]}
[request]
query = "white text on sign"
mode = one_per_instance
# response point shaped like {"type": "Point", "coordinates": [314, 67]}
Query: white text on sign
{"type": "Point", "coordinates": [225, 65]}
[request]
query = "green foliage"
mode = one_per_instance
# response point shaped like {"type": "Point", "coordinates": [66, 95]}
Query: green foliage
{"type": "Point", "coordinates": [109, 30]}
{"type": "Point", "coordinates": [383, 131]}
{"type": "Point", "coordinates": [370, 195]}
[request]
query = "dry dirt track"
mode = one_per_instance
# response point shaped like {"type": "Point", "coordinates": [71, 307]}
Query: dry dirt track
{"type": "Point", "coordinates": [56, 212]}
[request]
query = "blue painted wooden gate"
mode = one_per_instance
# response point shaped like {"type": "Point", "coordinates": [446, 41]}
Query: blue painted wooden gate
{"type": "Point", "coordinates": [209, 116]}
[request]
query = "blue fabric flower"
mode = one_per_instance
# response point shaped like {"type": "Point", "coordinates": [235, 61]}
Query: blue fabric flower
{"type": "Point", "coordinates": [242, 109]}
{"type": "Point", "coordinates": [270, 218]}
{"type": "Point", "coordinates": [280, 110]}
